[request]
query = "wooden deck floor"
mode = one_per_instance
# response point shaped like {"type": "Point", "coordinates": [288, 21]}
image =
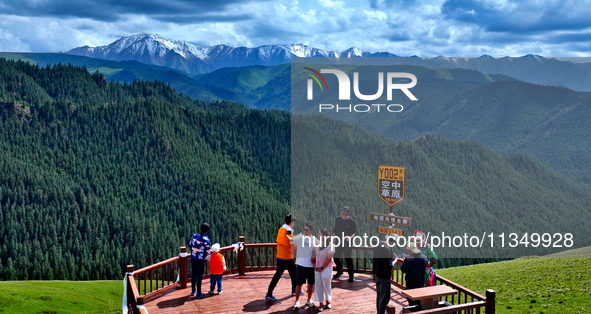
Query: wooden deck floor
{"type": "Point", "coordinates": [246, 294]}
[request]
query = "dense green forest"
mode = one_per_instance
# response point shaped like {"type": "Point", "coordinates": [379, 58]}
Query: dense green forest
{"type": "Point", "coordinates": [451, 186]}
{"type": "Point", "coordinates": [548, 123]}
{"type": "Point", "coordinates": [95, 175]}
{"type": "Point", "coordinates": [206, 88]}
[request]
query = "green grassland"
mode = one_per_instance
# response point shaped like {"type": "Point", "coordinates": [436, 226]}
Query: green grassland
{"type": "Point", "coordinates": [103, 296]}
{"type": "Point", "coordinates": [531, 284]}
{"type": "Point", "coordinates": [580, 252]}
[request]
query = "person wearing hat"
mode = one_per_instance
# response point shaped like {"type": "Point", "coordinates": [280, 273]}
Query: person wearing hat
{"type": "Point", "coordinates": [414, 266]}
{"type": "Point", "coordinates": [217, 266]}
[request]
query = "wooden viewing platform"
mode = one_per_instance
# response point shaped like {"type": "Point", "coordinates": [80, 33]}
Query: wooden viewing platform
{"type": "Point", "coordinates": [165, 287]}
{"type": "Point", "coordinates": [247, 294]}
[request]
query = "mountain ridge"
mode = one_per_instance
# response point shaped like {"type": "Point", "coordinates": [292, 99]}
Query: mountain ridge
{"type": "Point", "coordinates": [193, 59]}
{"type": "Point", "coordinates": [179, 54]}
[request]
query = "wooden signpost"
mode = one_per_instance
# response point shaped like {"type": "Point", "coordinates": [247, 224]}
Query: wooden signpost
{"type": "Point", "coordinates": [388, 231]}
{"type": "Point", "coordinates": [391, 190]}
{"type": "Point", "coordinates": [391, 184]}
{"type": "Point", "coordinates": [391, 219]}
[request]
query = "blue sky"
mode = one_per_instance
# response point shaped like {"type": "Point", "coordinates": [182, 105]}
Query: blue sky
{"type": "Point", "coordinates": [425, 28]}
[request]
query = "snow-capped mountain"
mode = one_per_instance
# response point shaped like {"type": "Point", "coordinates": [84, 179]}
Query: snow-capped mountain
{"type": "Point", "coordinates": [194, 59]}
{"type": "Point", "coordinates": [151, 49]}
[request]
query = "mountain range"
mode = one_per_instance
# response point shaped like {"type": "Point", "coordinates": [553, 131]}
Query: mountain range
{"type": "Point", "coordinates": [547, 122]}
{"type": "Point", "coordinates": [193, 59]}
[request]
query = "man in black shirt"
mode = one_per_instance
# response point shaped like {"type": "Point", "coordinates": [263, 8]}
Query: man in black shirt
{"type": "Point", "coordinates": [382, 263]}
{"type": "Point", "coordinates": [415, 266]}
{"type": "Point", "coordinates": [344, 228]}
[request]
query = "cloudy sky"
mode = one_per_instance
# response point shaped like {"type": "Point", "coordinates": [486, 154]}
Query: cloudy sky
{"type": "Point", "coordinates": [553, 28]}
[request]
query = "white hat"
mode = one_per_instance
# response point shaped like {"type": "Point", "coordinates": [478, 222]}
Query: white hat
{"type": "Point", "coordinates": [411, 248]}
{"type": "Point", "coordinates": [215, 247]}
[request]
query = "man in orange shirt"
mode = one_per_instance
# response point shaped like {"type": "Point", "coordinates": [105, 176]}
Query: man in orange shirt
{"type": "Point", "coordinates": [284, 257]}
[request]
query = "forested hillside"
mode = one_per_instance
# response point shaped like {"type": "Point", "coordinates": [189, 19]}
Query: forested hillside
{"type": "Point", "coordinates": [451, 186]}
{"type": "Point", "coordinates": [95, 175]}
{"type": "Point", "coordinates": [548, 123]}
{"type": "Point", "coordinates": [129, 71]}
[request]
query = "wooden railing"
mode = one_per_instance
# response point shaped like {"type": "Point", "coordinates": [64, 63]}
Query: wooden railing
{"type": "Point", "coordinates": [467, 301]}
{"type": "Point", "coordinates": [149, 282]}
{"type": "Point", "coordinates": [146, 283]}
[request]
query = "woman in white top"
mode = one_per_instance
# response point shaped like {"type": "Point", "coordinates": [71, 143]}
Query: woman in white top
{"type": "Point", "coordinates": [323, 253]}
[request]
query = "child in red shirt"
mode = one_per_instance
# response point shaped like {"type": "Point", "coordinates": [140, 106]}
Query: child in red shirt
{"type": "Point", "coordinates": [217, 266]}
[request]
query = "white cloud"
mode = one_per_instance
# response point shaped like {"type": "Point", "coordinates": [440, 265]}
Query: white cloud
{"type": "Point", "coordinates": [426, 28]}
{"type": "Point", "coordinates": [499, 5]}
{"type": "Point", "coordinates": [375, 15]}
{"type": "Point", "coordinates": [332, 4]}
{"type": "Point", "coordinates": [41, 34]}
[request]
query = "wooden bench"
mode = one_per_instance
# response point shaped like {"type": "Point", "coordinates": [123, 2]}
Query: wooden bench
{"type": "Point", "coordinates": [428, 296]}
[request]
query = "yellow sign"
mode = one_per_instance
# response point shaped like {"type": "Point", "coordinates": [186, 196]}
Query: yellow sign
{"type": "Point", "coordinates": [391, 184]}
{"type": "Point", "coordinates": [386, 230]}
{"type": "Point", "coordinates": [391, 219]}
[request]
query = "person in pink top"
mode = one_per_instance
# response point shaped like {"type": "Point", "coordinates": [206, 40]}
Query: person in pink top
{"type": "Point", "coordinates": [323, 252]}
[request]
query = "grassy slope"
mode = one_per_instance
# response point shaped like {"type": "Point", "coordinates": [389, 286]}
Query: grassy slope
{"type": "Point", "coordinates": [61, 296]}
{"type": "Point", "coordinates": [530, 285]}
{"type": "Point", "coordinates": [580, 252]}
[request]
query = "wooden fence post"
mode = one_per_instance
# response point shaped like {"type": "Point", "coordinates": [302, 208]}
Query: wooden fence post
{"type": "Point", "coordinates": [183, 267]}
{"type": "Point", "coordinates": [490, 301]}
{"type": "Point", "coordinates": [132, 292]}
{"type": "Point", "coordinates": [241, 258]}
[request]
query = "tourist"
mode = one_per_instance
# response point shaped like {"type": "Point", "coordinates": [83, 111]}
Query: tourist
{"type": "Point", "coordinates": [345, 229]}
{"type": "Point", "coordinates": [415, 266]}
{"type": "Point", "coordinates": [382, 266]}
{"type": "Point", "coordinates": [284, 257]}
{"type": "Point", "coordinates": [200, 250]}
{"type": "Point", "coordinates": [324, 252]}
{"type": "Point", "coordinates": [217, 266]}
{"type": "Point", "coordinates": [304, 267]}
